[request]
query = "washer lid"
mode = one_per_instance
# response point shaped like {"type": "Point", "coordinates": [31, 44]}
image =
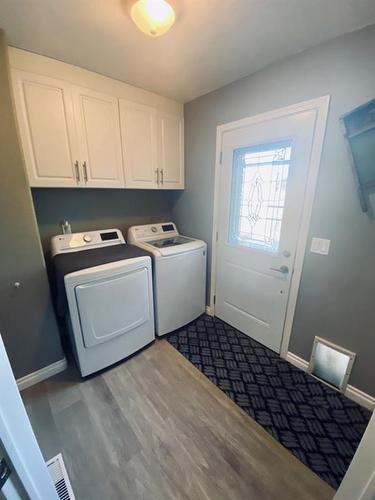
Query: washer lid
{"type": "Point", "coordinates": [169, 242]}
{"type": "Point", "coordinates": [171, 246]}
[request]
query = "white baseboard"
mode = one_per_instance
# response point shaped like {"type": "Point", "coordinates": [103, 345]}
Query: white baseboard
{"type": "Point", "coordinates": [42, 374]}
{"type": "Point", "coordinates": [297, 361]}
{"type": "Point", "coordinates": [360, 397]}
{"type": "Point", "coordinates": [208, 310]}
{"type": "Point", "coordinates": [351, 392]}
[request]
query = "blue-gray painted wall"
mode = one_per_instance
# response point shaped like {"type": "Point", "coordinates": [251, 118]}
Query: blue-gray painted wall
{"type": "Point", "coordinates": [90, 209]}
{"type": "Point", "coordinates": [336, 296]}
{"type": "Point", "coordinates": [336, 292]}
{"type": "Point", "coordinates": [27, 321]}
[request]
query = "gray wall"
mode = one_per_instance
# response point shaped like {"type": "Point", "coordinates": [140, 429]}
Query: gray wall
{"type": "Point", "coordinates": [89, 209]}
{"type": "Point", "coordinates": [336, 298]}
{"type": "Point", "coordinates": [27, 321]}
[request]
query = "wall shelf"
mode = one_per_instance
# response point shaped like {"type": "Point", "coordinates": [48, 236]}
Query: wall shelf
{"type": "Point", "coordinates": [359, 131]}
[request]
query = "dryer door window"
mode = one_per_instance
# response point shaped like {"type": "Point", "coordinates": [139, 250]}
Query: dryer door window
{"type": "Point", "coordinates": [113, 306]}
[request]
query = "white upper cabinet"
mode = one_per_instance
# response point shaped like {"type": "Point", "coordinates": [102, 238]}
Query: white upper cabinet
{"type": "Point", "coordinates": [98, 128]}
{"type": "Point", "coordinates": [152, 145]}
{"type": "Point", "coordinates": [46, 123]}
{"type": "Point", "coordinates": [81, 129]}
{"type": "Point", "coordinates": [171, 153]}
{"type": "Point", "coordinates": [139, 145]}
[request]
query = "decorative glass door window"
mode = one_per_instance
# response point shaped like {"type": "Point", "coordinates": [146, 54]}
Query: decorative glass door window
{"type": "Point", "coordinates": [259, 179]}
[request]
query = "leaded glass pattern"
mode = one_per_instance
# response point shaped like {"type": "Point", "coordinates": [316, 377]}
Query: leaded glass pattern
{"type": "Point", "coordinates": [259, 179]}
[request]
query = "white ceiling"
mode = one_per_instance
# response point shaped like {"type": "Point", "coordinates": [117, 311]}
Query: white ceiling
{"type": "Point", "coordinates": [214, 42]}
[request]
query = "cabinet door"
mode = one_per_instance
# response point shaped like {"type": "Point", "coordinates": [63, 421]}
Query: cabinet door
{"type": "Point", "coordinates": [171, 151]}
{"type": "Point", "coordinates": [138, 134]}
{"type": "Point", "coordinates": [47, 129]}
{"type": "Point", "coordinates": [98, 126]}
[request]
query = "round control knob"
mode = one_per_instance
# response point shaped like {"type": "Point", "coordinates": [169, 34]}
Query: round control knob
{"type": "Point", "coordinates": [87, 238]}
{"type": "Point", "coordinates": [154, 229]}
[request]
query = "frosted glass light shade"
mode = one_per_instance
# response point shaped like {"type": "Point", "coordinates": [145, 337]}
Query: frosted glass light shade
{"type": "Point", "coordinates": [153, 17]}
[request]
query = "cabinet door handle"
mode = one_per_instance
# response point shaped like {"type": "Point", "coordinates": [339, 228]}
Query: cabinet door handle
{"type": "Point", "coordinates": [76, 166]}
{"type": "Point", "coordinates": [281, 269]}
{"type": "Point", "coordinates": [162, 175]}
{"type": "Point", "coordinates": [84, 165]}
{"type": "Point", "coordinates": [157, 176]}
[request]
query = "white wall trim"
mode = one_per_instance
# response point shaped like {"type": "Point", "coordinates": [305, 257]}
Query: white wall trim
{"type": "Point", "coordinates": [351, 392]}
{"type": "Point", "coordinates": [320, 105]}
{"type": "Point", "coordinates": [295, 360]}
{"type": "Point", "coordinates": [208, 311]}
{"type": "Point", "coordinates": [42, 374]}
{"type": "Point", "coordinates": [360, 397]}
{"type": "Point", "coordinates": [359, 480]}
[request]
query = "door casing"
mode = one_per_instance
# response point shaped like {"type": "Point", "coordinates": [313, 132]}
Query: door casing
{"type": "Point", "coordinates": [320, 105]}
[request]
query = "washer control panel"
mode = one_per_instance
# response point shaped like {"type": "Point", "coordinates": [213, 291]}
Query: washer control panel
{"type": "Point", "coordinates": [152, 231]}
{"type": "Point", "coordinates": [63, 243]}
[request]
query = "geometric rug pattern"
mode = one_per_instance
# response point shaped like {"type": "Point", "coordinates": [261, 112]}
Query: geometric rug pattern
{"type": "Point", "coordinates": [319, 425]}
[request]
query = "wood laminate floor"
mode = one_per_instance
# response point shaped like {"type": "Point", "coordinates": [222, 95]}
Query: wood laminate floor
{"type": "Point", "coordinates": [155, 428]}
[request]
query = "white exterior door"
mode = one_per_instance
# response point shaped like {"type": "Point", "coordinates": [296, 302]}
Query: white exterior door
{"type": "Point", "coordinates": [260, 200]}
{"type": "Point", "coordinates": [139, 145]}
{"type": "Point", "coordinates": [98, 125]}
{"type": "Point", "coordinates": [47, 128]}
{"type": "Point", "coordinates": [171, 152]}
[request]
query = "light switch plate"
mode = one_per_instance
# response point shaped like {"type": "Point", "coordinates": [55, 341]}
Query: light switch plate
{"type": "Point", "coordinates": [320, 246]}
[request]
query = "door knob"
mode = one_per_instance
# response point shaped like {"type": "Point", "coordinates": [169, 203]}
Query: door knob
{"type": "Point", "coordinates": [281, 269]}
{"type": "Point", "coordinates": [17, 284]}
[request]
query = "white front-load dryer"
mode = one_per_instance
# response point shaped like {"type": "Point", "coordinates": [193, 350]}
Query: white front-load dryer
{"type": "Point", "coordinates": [109, 297]}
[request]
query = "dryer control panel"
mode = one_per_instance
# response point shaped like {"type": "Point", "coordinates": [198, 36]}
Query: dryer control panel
{"type": "Point", "coordinates": [63, 243]}
{"type": "Point", "coordinates": [152, 232]}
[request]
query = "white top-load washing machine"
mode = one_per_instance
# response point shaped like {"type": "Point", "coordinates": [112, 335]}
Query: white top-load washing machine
{"type": "Point", "coordinates": [179, 273]}
{"type": "Point", "coordinates": [104, 289]}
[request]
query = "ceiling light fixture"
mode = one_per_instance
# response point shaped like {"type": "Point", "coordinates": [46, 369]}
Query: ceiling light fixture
{"type": "Point", "coordinates": [153, 17]}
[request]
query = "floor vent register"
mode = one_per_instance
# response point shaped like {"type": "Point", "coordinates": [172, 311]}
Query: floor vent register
{"type": "Point", "coordinates": [60, 478]}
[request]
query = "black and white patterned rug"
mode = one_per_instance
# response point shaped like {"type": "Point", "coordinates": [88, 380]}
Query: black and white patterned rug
{"type": "Point", "coordinates": [319, 425]}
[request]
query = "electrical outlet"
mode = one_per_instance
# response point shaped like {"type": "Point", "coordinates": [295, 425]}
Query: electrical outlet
{"type": "Point", "coordinates": [320, 246]}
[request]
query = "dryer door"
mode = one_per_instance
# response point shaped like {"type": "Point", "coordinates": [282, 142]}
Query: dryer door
{"type": "Point", "coordinates": [113, 306]}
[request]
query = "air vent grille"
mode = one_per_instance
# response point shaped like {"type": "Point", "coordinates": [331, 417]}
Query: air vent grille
{"type": "Point", "coordinates": [331, 363]}
{"type": "Point", "coordinates": [60, 478]}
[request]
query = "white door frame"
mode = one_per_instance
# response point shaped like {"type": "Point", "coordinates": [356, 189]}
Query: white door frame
{"type": "Point", "coordinates": [18, 438]}
{"type": "Point", "coordinates": [320, 105]}
{"type": "Point", "coordinates": [359, 480]}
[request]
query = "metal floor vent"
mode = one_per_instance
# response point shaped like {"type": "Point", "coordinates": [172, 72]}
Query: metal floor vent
{"type": "Point", "coordinates": [331, 363]}
{"type": "Point", "coordinates": [60, 478]}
